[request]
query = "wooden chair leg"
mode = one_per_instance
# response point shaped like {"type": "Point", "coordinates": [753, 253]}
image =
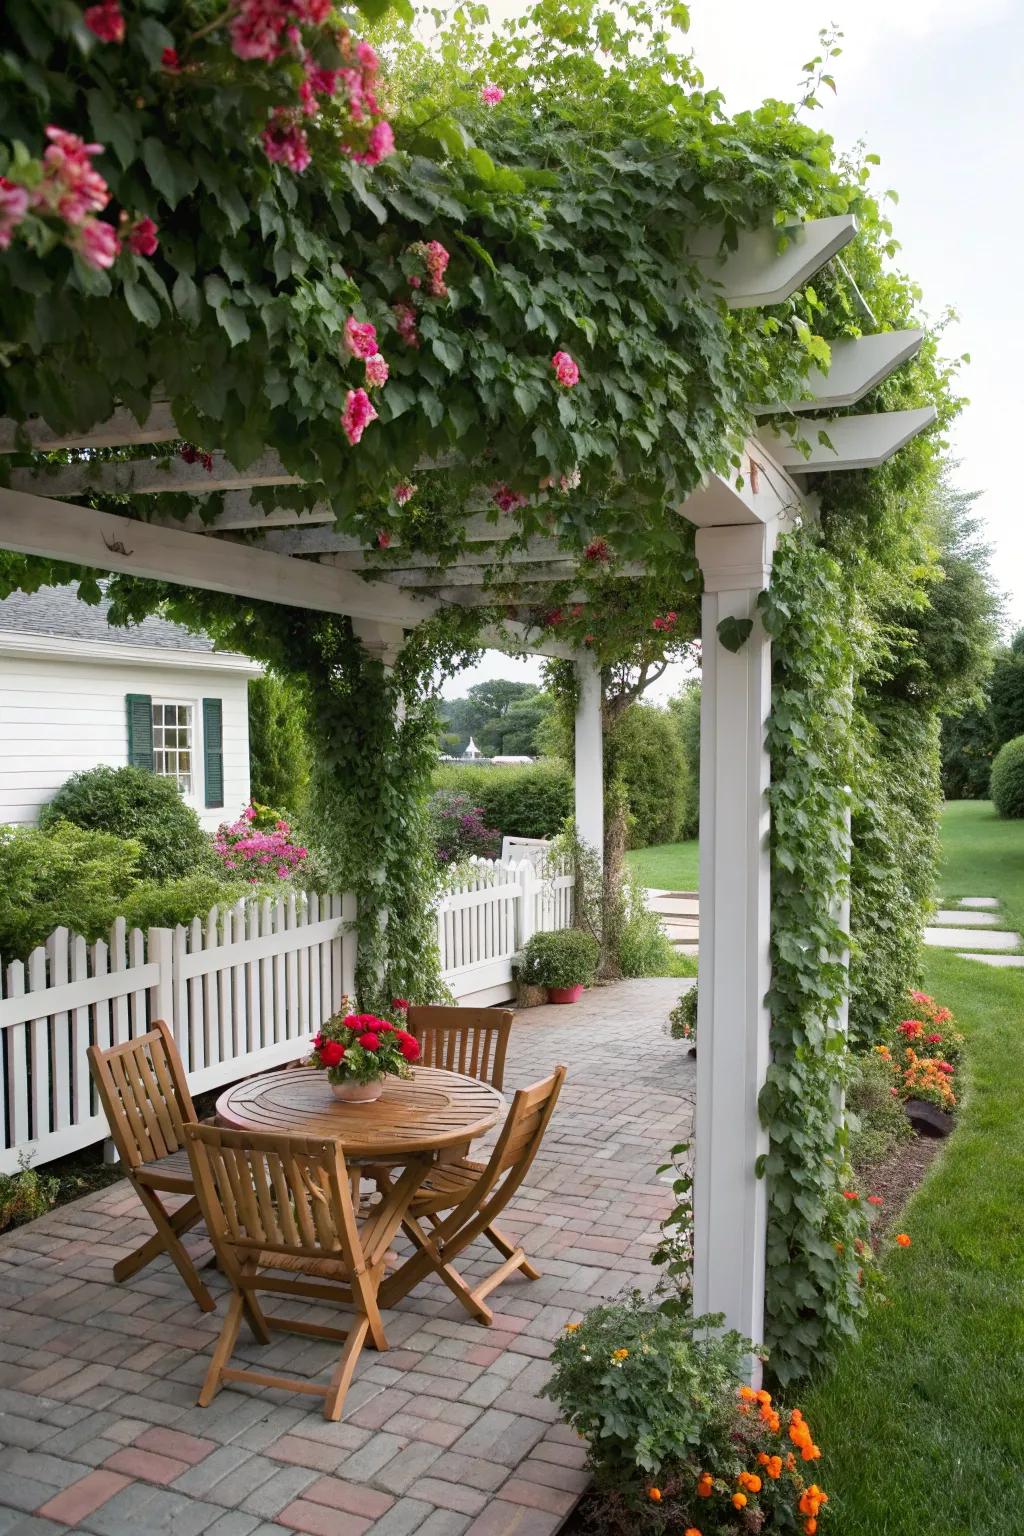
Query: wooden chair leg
{"type": "Point", "coordinates": [223, 1350]}
{"type": "Point", "coordinates": [166, 1239]}
{"type": "Point", "coordinates": [447, 1272]}
{"type": "Point", "coordinates": [335, 1398]}
{"type": "Point", "coordinates": [508, 1249]}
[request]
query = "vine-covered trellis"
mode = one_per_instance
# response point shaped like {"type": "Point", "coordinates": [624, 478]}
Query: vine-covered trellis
{"type": "Point", "coordinates": [398, 297]}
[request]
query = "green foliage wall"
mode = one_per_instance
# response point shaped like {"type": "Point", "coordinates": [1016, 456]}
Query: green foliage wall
{"type": "Point", "coordinates": [644, 754]}
{"type": "Point", "coordinates": [1008, 779]}
{"type": "Point", "coordinates": [519, 800]}
{"type": "Point", "coordinates": [278, 744]}
{"type": "Point", "coordinates": [685, 711]}
{"type": "Point", "coordinates": [968, 747]}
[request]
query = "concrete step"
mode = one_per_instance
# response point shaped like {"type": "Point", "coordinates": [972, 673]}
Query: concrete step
{"type": "Point", "coordinates": [959, 938]}
{"type": "Point", "coordinates": [955, 918]}
{"type": "Point", "coordinates": [1015, 962]}
{"type": "Point", "coordinates": [978, 901]}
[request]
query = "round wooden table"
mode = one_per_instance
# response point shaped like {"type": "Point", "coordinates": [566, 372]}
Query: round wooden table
{"type": "Point", "coordinates": [425, 1113]}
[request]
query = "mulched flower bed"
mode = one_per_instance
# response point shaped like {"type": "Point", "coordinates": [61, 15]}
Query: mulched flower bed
{"type": "Point", "coordinates": [896, 1177]}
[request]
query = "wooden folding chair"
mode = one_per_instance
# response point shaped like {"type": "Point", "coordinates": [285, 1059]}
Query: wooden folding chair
{"type": "Point", "coordinates": [473, 1041]}
{"type": "Point", "coordinates": [474, 1194]}
{"type": "Point", "coordinates": [144, 1094]}
{"type": "Point", "coordinates": [280, 1214]}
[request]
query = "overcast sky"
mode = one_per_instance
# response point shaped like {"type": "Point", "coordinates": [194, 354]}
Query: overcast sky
{"type": "Point", "coordinates": [933, 87]}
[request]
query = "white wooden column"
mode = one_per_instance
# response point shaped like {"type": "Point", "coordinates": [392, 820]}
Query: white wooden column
{"type": "Point", "coordinates": [589, 808]}
{"type": "Point", "coordinates": [732, 1028]}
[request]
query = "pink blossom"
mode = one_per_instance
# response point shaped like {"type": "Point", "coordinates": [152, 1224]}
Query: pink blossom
{"type": "Point", "coordinates": [170, 62]}
{"type": "Point", "coordinates": [256, 29]}
{"type": "Point", "coordinates": [492, 94]}
{"type": "Point", "coordinates": [324, 82]}
{"type": "Point", "coordinates": [285, 142]}
{"type": "Point", "coordinates": [598, 550]}
{"type": "Point", "coordinates": [553, 618]}
{"type": "Point", "coordinates": [435, 259]}
{"type": "Point", "coordinates": [566, 371]}
{"type": "Point", "coordinates": [105, 21]}
{"type": "Point", "coordinates": [367, 58]}
{"type": "Point", "coordinates": [13, 208]}
{"type": "Point", "coordinates": [506, 499]}
{"type": "Point", "coordinates": [405, 319]}
{"type": "Point", "coordinates": [70, 187]}
{"type": "Point", "coordinates": [96, 243]}
{"type": "Point", "coordinates": [357, 415]}
{"type": "Point", "coordinates": [360, 337]}
{"type": "Point", "coordinates": [141, 237]}
{"type": "Point", "coordinates": [403, 492]}
{"type": "Point", "coordinates": [376, 371]}
{"type": "Point", "coordinates": [569, 482]}
{"type": "Point", "coordinates": [383, 539]}
{"type": "Point", "coordinates": [380, 144]}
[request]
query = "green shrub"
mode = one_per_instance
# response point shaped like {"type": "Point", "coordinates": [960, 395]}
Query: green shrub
{"type": "Point", "coordinates": [565, 958]}
{"type": "Point", "coordinates": [133, 803]}
{"type": "Point", "coordinates": [25, 1195]}
{"type": "Point", "coordinates": [685, 712]}
{"type": "Point", "coordinates": [643, 754]}
{"type": "Point", "coordinates": [644, 946]}
{"type": "Point", "coordinates": [457, 828]}
{"type": "Point", "coordinates": [682, 1021]}
{"type": "Point", "coordinates": [530, 800]}
{"type": "Point", "coordinates": [1007, 782]}
{"type": "Point", "coordinates": [279, 752]}
{"type": "Point", "coordinates": [165, 904]}
{"type": "Point", "coordinates": [61, 877]}
{"type": "Point", "coordinates": [879, 1123]}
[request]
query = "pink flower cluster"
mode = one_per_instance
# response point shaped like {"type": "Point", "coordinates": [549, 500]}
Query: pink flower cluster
{"type": "Point", "coordinates": [193, 455]}
{"type": "Point", "coordinates": [270, 29]}
{"type": "Point", "coordinates": [403, 492]}
{"type": "Point", "coordinates": [405, 322]}
{"type": "Point", "coordinates": [357, 415]}
{"type": "Point", "coordinates": [598, 551]}
{"type": "Point", "coordinates": [667, 623]}
{"type": "Point", "coordinates": [567, 371]}
{"type": "Point", "coordinates": [105, 21]}
{"type": "Point", "coordinates": [492, 94]}
{"type": "Point", "coordinates": [73, 191]}
{"type": "Point", "coordinates": [506, 499]}
{"type": "Point", "coordinates": [259, 855]}
{"type": "Point", "coordinates": [435, 261]}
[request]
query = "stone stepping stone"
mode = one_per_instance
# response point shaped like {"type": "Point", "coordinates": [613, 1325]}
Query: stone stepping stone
{"type": "Point", "coordinates": [953, 918]}
{"type": "Point", "coordinates": [957, 938]}
{"type": "Point", "coordinates": [1016, 961]}
{"type": "Point", "coordinates": [978, 901]}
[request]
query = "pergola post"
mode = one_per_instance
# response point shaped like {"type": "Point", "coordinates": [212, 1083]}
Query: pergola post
{"type": "Point", "coordinates": [589, 806]}
{"type": "Point", "coordinates": [730, 1207]}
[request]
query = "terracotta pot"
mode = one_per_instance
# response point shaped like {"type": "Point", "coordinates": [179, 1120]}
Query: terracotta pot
{"type": "Point", "coordinates": [358, 1093]}
{"type": "Point", "coordinates": [566, 994]}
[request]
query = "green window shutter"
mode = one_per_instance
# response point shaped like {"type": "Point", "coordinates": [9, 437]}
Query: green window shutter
{"type": "Point", "coordinates": [140, 730]}
{"type": "Point", "coordinates": [213, 751]}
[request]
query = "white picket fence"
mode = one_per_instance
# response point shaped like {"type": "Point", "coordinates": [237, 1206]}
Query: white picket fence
{"type": "Point", "coordinates": [243, 991]}
{"type": "Point", "coordinates": [487, 918]}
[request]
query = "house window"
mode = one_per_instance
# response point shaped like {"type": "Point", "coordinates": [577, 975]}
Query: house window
{"type": "Point", "coordinates": [172, 744]}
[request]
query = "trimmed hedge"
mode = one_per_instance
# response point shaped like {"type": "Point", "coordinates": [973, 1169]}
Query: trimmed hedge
{"type": "Point", "coordinates": [1007, 781]}
{"type": "Point", "coordinates": [135, 804]}
{"type": "Point", "coordinates": [525, 800]}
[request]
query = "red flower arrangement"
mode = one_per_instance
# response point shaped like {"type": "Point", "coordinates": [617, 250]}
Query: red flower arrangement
{"type": "Point", "coordinates": [364, 1048]}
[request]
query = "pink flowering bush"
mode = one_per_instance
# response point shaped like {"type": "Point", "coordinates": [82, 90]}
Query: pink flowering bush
{"type": "Point", "coordinates": [492, 94]}
{"type": "Point", "coordinates": [357, 415]}
{"type": "Point", "coordinates": [567, 371]}
{"type": "Point", "coordinates": [258, 846]}
{"type": "Point", "coordinates": [429, 263]}
{"type": "Point", "coordinates": [61, 194]}
{"type": "Point", "coordinates": [377, 372]}
{"type": "Point", "coordinates": [405, 323]}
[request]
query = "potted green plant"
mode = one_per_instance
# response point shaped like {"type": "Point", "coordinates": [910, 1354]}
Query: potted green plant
{"type": "Point", "coordinates": [564, 961]}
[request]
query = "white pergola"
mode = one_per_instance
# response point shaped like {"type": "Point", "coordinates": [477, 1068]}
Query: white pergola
{"type": "Point", "coordinates": [300, 559]}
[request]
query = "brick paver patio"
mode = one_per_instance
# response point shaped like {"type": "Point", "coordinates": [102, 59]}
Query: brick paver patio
{"type": "Point", "coordinates": [443, 1435]}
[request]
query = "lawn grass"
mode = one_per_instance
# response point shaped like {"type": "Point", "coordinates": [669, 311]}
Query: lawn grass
{"type": "Point", "coordinates": [667, 867]}
{"type": "Point", "coordinates": [922, 1421]}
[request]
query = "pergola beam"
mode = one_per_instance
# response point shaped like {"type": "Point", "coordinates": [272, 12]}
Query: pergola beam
{"type": "Point", "coordinates": [120, 430]}
{"type": "Point", "coordinates": [855, 442]}
{"type": "Point", "coordinates": [486, 556]}
{"type": "Point", "coordinates": [34, 525]}
{"type": "Point", "coordinates": [479, 575]}
{"type": "Point", "coordinates": [757, 274]}
{"type": "Point", "coordinates": [859, 363]}
{"type": "Point", "coordinates": [151, 477]}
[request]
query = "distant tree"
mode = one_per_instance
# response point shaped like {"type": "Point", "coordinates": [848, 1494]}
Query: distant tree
{"type": "Point", "coordinates": [968, 747]}
{"type": "Point", "coordinates": [644, 755]}
{"type": "Point", "coordinates": [279, 754]}
{"type": "Point", "coordinates": [1007, 692]}
{"type": "Point", "coordinates": [684, 710]}
{"type": "Point", "coordinates": [502, 717]}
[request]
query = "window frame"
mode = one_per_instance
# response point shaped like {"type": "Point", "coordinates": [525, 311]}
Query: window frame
{"type": "Point", "coordinates": [192, 793]}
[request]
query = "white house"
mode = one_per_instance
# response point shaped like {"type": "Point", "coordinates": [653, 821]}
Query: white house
{"type": "Point", "coordinates": [76, 691]}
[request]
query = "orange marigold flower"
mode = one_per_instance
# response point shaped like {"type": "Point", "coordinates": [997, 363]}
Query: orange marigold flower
{"type": "Point", "coordinates": [691, 1530]}
{"type": "Point", "coordinates": [747, 1394]}
{"type": "Point", "coordinates": [773, 1466]}
{"type": "Point", "coordinates": [739, 1501]}
{"type": "Point", "coordinates": [572, 1327]}
{"type": "Point", "coordinates": [620, 1354]}
{"type": "Point", "coordinates": [764, 1397]}
{"type": "Point", "coordinates": [763, 1458]}
{"type": "Point", "coordinates": [705, 1485]}
{"type": "Point", "coordinates": [654, 1494]}
{"type": "Point", "coordinates": [903, 1239]}
{"type": "Point", "coordinates": [748, 1481]}
{"type": "Point", "coordinates": [810, 1453]}
{"type": "Point", "coordinates": [810, 1526]}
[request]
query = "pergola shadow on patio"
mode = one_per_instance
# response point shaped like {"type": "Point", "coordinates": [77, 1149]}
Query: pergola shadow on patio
{"type": "Point", "coordinates": [442, 1435]}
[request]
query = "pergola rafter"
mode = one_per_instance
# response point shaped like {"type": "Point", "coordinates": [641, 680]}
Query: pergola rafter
{"type": "Point", "coordinates": [310, 560]}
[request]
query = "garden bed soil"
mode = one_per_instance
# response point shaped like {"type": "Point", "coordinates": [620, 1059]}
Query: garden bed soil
{"type": "Point", "coordinates": [896, 1178]}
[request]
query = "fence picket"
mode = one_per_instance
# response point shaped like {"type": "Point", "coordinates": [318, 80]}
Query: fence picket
{"type": "Point", "coordinates": [16, 1058]}
{"type": "Point", "coordinates": [82, 1105]}
{"type": "Point", "coordinates": [60, 1032]}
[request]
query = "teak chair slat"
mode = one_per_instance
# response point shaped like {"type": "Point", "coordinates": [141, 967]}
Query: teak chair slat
{"type": "Point", "coordinates": [281, 1217]}
{"type": "Point", "coordinates": [474, 1195]}
{"type": "Point", "coordinates": [145, 1097]}
{"type": "Point", "coordinates": [473, 1041]}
